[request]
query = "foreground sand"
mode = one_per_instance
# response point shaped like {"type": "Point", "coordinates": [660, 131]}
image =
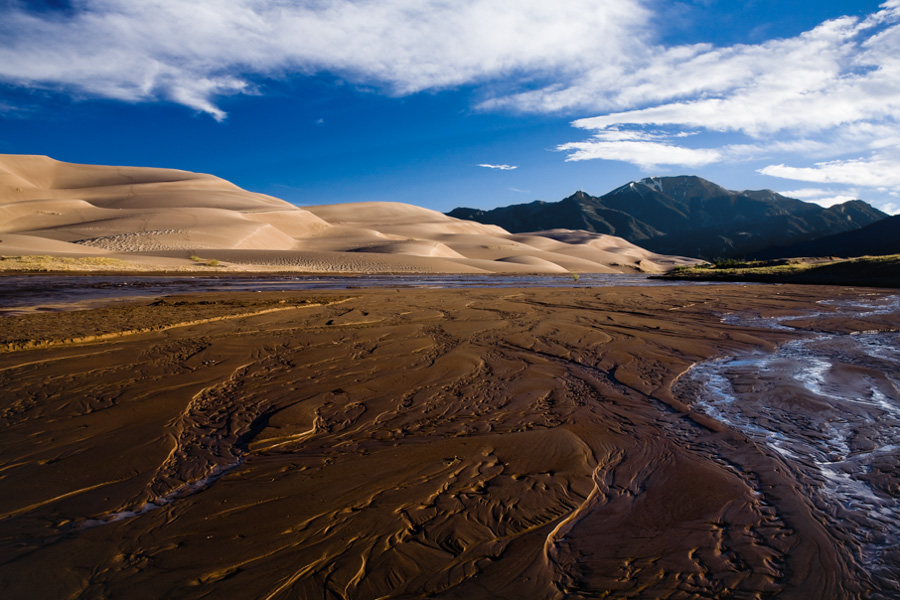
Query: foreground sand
{"type": "Point", "coordinates": [380, 443]}
{"type": "Point", "coordinates": [64, 216]}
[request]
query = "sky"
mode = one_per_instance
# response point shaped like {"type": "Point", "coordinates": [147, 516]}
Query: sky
{"type": "Point", "coordinates": [477, 103]}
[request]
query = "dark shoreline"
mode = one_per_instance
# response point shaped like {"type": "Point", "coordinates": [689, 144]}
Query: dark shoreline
{"type": "Point", "coordinates": [877, 272]}
{"type": "Point", "coordinates": [60, 292]}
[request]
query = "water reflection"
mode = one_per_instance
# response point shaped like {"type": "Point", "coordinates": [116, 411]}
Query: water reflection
{"type": "Point", "coordinates": [829, 406]}
{"type": "Point", "coordinates": [61, 292]}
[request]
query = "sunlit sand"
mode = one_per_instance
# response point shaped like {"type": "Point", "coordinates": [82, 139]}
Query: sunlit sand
{"type": "Point", "coordinates": [62, 216]}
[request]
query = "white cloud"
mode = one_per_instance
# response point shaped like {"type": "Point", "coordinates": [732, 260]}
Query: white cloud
{"type": "Point", "coordinates": [818, 97]}
{"type": "Point", "coordinates": [694, 83]}
{"type": "Point", "coordinates": [824, 197]}
{"type": "Point", "coordinates": [809, 193]}
{"type": "Point", "coordinates": [194, 52]}
{"type": "Point", "coordinates": [843, 72]}
{"type": "Point", "coordinates": [879, 171]}
{"type": "Point", "coordinates": [499, 167]}
{"type": "Point", "coordinates": [829, 201]}
{"type": "Point", "coordinates": [832, 201]}
{"type": "Point", "coordinates": [822, 96]}
{"type": "Point", "coordinates": [647, 154]}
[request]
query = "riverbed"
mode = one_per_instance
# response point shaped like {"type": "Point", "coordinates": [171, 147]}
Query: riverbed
{"type": "Point", "coordinates": [827, 406]}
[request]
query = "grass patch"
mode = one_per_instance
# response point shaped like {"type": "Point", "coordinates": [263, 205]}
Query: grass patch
{"type": "Point", "coordinates": [877, 271]}
{"type": "Point", "coordinates": [45, 263]}
{"type": "Point", "coordinates": [728, 263]}
{"type": "Point", "coordinates": [206, 262]}
{"type": "Point", "coordinates": [40, 262]}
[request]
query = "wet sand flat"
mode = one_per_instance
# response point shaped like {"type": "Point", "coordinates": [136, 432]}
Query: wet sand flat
{"type": "Point", "coordinates": [457, 443]}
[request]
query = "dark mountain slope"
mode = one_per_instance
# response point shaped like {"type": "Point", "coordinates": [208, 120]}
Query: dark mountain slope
{"type": "Point", "coordinates": [685, 215]}
{"type": "Point", "coordinates": [879, 238]}
{"type": "Point", "coordinates": [578, 211]}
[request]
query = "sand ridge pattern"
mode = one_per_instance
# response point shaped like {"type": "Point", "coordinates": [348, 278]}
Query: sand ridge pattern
{"type": "Point", "coordinates": [484, 443]}
{"type": "Point", "coordinates": [158, 219]}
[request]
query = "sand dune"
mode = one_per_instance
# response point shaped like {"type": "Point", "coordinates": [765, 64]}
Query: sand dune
{"type": "Point", "coordinates": [162, 216]}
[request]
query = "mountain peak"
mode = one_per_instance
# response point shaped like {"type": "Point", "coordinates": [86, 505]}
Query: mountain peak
{"type": "Point", "coordinates": [655, 183]}
{"type": "Point", "coordinates": [688, 215]}
{"type": "Point", "coordinates": [677, 187]}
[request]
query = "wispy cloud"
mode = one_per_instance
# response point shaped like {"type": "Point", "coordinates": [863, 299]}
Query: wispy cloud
{"type": "Point", "coordinates": [195, 52]}
{"type": "Point", "coordinates": [827, 93]}
{"type": "Point", "coordinates": [823, 197]}
{"type": "Point", "coordinates": [809, 193]}
{"type": "Point", "coordinates": [499, 167]}
{"type": "Point", "coordinates": [643, 153]}
{"type": "Point", "coordinates": [648, 149]}
{"type": "Point", "coordinates": [830, 97]}
{"type": "Point", "coordinates": [880, 171]}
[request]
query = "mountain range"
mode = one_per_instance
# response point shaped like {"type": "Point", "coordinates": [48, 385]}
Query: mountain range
{"type": "Point", "coordinates": [879, 238]}
{"type": "Point", "coordinates": [687, 216]}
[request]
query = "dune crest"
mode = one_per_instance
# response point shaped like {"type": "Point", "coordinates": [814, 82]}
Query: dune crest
{"type": "Point", "coordinates": [161, 217]}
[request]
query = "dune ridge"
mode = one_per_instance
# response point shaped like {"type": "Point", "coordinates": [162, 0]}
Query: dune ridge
{"type": "Point", "coordinates": [159, 218]}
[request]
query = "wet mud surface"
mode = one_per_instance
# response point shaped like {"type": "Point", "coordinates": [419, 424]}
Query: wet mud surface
{"type": "Point", "coordinates": [44, 293]}
{"type": "Point", "coordinates": [827, 406]}
{"type": "Point", "coordinates": [464, 443]}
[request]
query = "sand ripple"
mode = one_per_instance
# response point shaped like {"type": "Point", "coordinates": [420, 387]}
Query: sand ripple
{"type": "Point", "coordinates": [828, 406]}
{"type": "Point", "coordinates": [464, 443]}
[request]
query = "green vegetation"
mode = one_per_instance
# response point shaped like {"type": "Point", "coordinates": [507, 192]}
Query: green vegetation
{"type": "Point", "coordinates": [45, 263]}
{"type": "Point", "coordinates": [728, 263]}
{"type": "Point", "coordinates": [876, 271]}
{"type": "Point", "coordinates": [205, 262]}
{"type": "Point", "coordinates": [575, 277]}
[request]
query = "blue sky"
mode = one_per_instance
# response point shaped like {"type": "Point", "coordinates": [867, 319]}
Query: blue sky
{"type": "Point", "coordinates": [478, 103]}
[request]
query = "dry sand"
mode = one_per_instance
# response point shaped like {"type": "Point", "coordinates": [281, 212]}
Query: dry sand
{"type": "Point", "coordinates": [419, 443]}
{"type": "Point", "coordinates": [156, 219]}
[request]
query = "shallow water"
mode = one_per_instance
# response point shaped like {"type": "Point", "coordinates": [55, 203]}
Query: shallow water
{"type": "Point", "coordinates": [187, 489]}
{"type": "Point", "coordinates": [62, 292]}
{"type": "Point", "coordinates": [829, 406]}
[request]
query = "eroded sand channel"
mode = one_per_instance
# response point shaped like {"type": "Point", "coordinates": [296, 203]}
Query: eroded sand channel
{"type": "Point", "coordinates": [828, 406]}
{"type": "Point", "coordinates": [464, 443]}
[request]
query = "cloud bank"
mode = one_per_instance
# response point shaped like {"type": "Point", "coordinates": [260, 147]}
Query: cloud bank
{"type": "Point", "coordinates": [831, 92]}
{"type": "Point", "coordinates": [194, 52]}
{"type": "Point", "coordinates": [821, 107]}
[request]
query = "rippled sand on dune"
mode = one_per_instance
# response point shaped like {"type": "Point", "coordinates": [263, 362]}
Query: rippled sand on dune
{"type": "Point", "coordinates": [489, 443]}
